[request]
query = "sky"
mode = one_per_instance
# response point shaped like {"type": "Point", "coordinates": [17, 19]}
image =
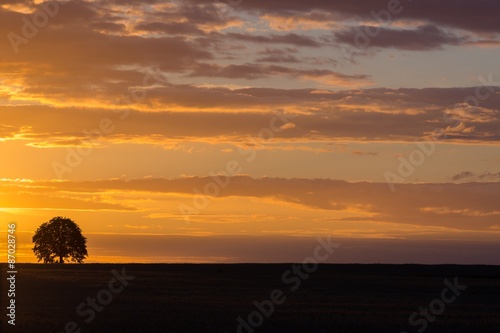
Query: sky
{"type": "Point", "coordinates": [244, 130]}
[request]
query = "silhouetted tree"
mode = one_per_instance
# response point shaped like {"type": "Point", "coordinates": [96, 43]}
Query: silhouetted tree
{"type": "Point", "coordinates": [60, 238]}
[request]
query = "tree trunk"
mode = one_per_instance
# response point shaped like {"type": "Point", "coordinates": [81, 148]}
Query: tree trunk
{"type": "Point", "coordinates": [61, 260]}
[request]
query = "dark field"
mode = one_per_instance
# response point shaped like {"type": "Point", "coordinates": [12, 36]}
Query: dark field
{"type": "Point", "coordinates": [210, 298]}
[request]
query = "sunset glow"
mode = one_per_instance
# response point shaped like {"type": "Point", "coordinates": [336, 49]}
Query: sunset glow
{"type": "Point", "coordinates": [208, 131]}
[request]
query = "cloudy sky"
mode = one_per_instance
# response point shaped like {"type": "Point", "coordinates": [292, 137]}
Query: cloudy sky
{"type": "Point", "coordinates": [242, 130]}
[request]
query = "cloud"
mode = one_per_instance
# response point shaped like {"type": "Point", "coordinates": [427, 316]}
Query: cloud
{"type": "Point", "coordinates": [174, 28]}
{"type": "Point", "coordinates": [469, 15]}
{"type": "Point", "coordinates": [36, 200]}
{"type": "Point", "coordinates": [360, 153]}
{"type": "Point", "coordinates": [290, 38]}
{"type": "Point", "coordinates": [472, 176]}
{"type": "Point", "coordinates": [108, 27]}
{"type": "Point", "coordinates": [463, 175]}
{"type": "Point", "coordinates": [313, 20]}
{"type": "Point", "coordinates": [175, 113]}
{"type": "Point", "coordinates": [466, 206]}
{"type": "Point", "coordinates": [278, 248]}
{"type": "Point", "coordinates": [256, 71]}
{"type": "Point", "coordinates": [104, 48]}
{"type": "Point", "coordinates": [278, 56]}
{"type": "Point", "coordinates": [422, 38]}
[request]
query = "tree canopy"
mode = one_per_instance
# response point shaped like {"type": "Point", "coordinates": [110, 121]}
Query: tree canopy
{"type": "Point", "coordinates": [60, 238]}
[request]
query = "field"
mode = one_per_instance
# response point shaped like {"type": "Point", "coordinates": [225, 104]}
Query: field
{"type": "Point", "coordinates": [268, 298]}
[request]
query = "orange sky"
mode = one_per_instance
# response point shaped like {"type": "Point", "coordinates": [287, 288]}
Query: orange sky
{"type": "Point", "coordinates": [192, 131]}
